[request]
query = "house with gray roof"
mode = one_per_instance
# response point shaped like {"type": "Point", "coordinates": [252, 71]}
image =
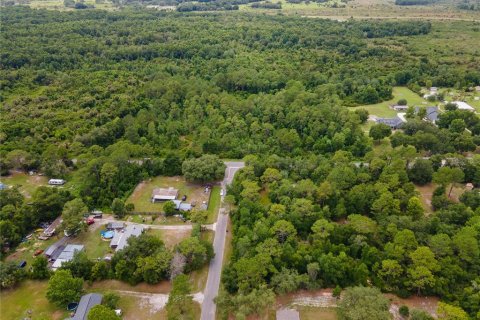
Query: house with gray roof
{"type": "Point", "coordinates": [119, 240]}
{"type": "Point", "coordinates": [431, 113]}
{"type": "Point", "coordinates": [182, 206]}
{"type": "Point", "coordinates": [86, 303]}
{"type": "Point", "coordinates": [394, 123]}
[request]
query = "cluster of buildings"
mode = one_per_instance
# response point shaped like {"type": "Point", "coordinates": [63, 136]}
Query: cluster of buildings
{"type": "Point", "coordinates": [59, 253]}
{"type": "Point", "coordinates": [170, 194]}
{"type": "Point", "coordinates": [431, 114]}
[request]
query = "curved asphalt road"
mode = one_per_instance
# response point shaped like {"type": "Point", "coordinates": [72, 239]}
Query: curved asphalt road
{"type": "Point", "coordinates": [215, 269]}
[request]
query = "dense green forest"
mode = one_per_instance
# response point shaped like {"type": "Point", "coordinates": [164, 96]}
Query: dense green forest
{"type": "Point", "coordinates": [108, 99]}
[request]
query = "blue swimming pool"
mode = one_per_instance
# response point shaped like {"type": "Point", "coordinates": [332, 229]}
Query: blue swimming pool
{"type": "Point", "coordinates": [107, 234]}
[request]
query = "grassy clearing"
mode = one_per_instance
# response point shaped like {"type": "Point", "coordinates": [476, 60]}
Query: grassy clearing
{"type": "Point", "coordinates": [171, 237]}
{"type": "Point", "coordinates": [134, 308]}
{"type": "Point", "coordinates": [142, 194]}
{"type": "Point", "coordinates": [426, 193]}
{"type": "Point", "coordinates": [27, 184]}
{"type": "Point", "coordinates": [58, 5]}
{"type": "Point", "coordinates": [383, 109]}
{"type": "Point", "coordinates": [313, 313]}
{"type": "Point", "coordinates": [28, 301]}
{"type": "Point", "coordinates": [95, 247]}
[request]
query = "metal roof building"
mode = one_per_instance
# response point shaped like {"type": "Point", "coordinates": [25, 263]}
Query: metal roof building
{"type": "Point", "coordinates": [86, 303]}
{"type": "Point", "coordinates": [119, 240]}
{"type": "Point", "coordinates": [115, 225]}
{"type": "Point", "coordinates": [394, 123]}
{"type": "Point", "coordinates": [182, 206]}
{"type": "Point", "coordinates": [164, 194]}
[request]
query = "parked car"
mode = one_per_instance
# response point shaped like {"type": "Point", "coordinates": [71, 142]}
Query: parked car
{"type": "Point", "coordinates": [22, 264]}
{"type": "Point", "coordinates": [38, 252]}
{"type": "Point", "coordinates": [90, 221]}
{"type": "Point", "coordinates": [97, 214]}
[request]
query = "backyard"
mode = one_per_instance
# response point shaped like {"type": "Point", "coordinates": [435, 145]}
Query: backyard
{"type": "Point", "coordinates": [28, 300]}
{"type": "Point", "coordinates": [383, 109]}
{"type": "Point", "coordinates": [27, 183]}
{"type": "Point", "coordinates": [141, 196]}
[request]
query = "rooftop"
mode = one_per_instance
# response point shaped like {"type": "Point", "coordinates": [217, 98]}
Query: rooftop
{"type": "Point", "coordinates": [463, 105]}
{"type": "Point", "coordinates": [86, 303]}
{"type": "Point", "coordinates": [119, 240]}
{"type": "Point", "coordinates": [164, 194]}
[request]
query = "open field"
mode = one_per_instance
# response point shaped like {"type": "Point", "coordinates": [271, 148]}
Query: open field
{"type": "Point", "coordinates": [383, 109]}
{"type": "Point", "coordinates": [58, 5]}
{"type": "Point", "coordinates": [170, 237]}
{"type": "Point", "coordinates": [27, 184]}
{"type": "Point", "coordinates": [28, 300]}
{"type": "Point", "coordinates": [426, 193]}
{"type": "Point", "coordinates": [142, 194]}
{"type": "Point", "coordinates": [369, 9]}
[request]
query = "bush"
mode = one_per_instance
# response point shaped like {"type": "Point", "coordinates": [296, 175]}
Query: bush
{"type": "Point", "coordinates": [404, 311]}
{"type": "Point", "coordinates": [402, 102]}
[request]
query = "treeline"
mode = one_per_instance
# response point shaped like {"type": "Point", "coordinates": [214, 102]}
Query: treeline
{"type": "Point", "coordinates": [267, 5]}
{"type": "Point", "coordinates": [336, 223]}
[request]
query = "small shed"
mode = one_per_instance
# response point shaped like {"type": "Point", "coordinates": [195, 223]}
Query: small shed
{"type": "Point", "coordinates": [182, 206]}
{"type": "Point", "coordinates": [400, 108]}
{"type": "Point", "coordinates": [287, 314]}
{"type": "Point", "coordinates": [86, 303]}
{"type": "Point", "coordinates": [164, 194]}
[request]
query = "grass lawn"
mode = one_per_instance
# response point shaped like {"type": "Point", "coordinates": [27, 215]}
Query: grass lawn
{"type": "Point", "coordinates": [213, 204]}
{"type": "Point", "coordinates": [314, 313]}
{"type": "Point", "coordinates": [170, 237]}
{"type": "Point", "coordinates": [134, 308]}
{"type": "Point", "coordinates": [29, 296]}
{"type": "Point", "coordinates": [95, 247]}
{"type": "Point", "coordinates": [383, 110]}
{"type": "Point", "coordinates": [27, 184]}
{"type": "Point", "coordinates": [142, 194]}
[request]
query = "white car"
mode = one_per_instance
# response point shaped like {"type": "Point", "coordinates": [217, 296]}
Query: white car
{"type": "Point", "coordinates": [221, 192]}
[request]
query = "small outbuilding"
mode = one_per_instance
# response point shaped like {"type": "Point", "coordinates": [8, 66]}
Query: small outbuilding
{"type": "Point", "coordinates": [86, 303]}
{"type": "Point", "coordinates": [182, 206]}
{"type": "Point", "coordinates": [400, 108]}
{"type": "Point", "coordinates": [164, 194]}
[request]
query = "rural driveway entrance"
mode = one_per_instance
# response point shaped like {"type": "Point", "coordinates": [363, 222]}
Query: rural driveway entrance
{"type": "Point", "coordinates": [215, 269]}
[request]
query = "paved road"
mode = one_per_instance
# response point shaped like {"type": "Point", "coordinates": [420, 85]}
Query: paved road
{"type": "Point", "coordinates": [215, 270]}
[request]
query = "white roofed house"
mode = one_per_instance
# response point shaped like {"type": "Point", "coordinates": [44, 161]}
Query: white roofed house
{"type": "Point", "coordinates": [461, 105]}
{"type": "Point", "coordinates": [66, 255]}
{"type": "Point", "coordinates": [56, 182]}
{"type": "Point", "coordinates": [164, 194]}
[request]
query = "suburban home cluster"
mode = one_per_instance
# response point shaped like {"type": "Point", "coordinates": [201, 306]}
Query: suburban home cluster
{"type": "Point", "coordinates": [122, 233]}
{"type": "Point", "coordinates": [397, 122]}
{"type": "Point", "coordinates": [170, 194]}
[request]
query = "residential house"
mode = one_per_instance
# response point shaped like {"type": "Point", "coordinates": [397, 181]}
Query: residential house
{"type": "Point", "coordinates": [182, 206]}
{"type": "Point", "coordinates": [66, 255]}
{"type": "Point", "coordinates": [119, 240]}
{"type": "Point", "coordinates": [86, 303]}
{"type": "Point", "coordinates": [56, 182]}
{"type": "Point", "coordinates": [461, 105]}
{"type": "Point", "coordinates": [394, 123]}
{"type": "Point", "coordinates": [164, 194]}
